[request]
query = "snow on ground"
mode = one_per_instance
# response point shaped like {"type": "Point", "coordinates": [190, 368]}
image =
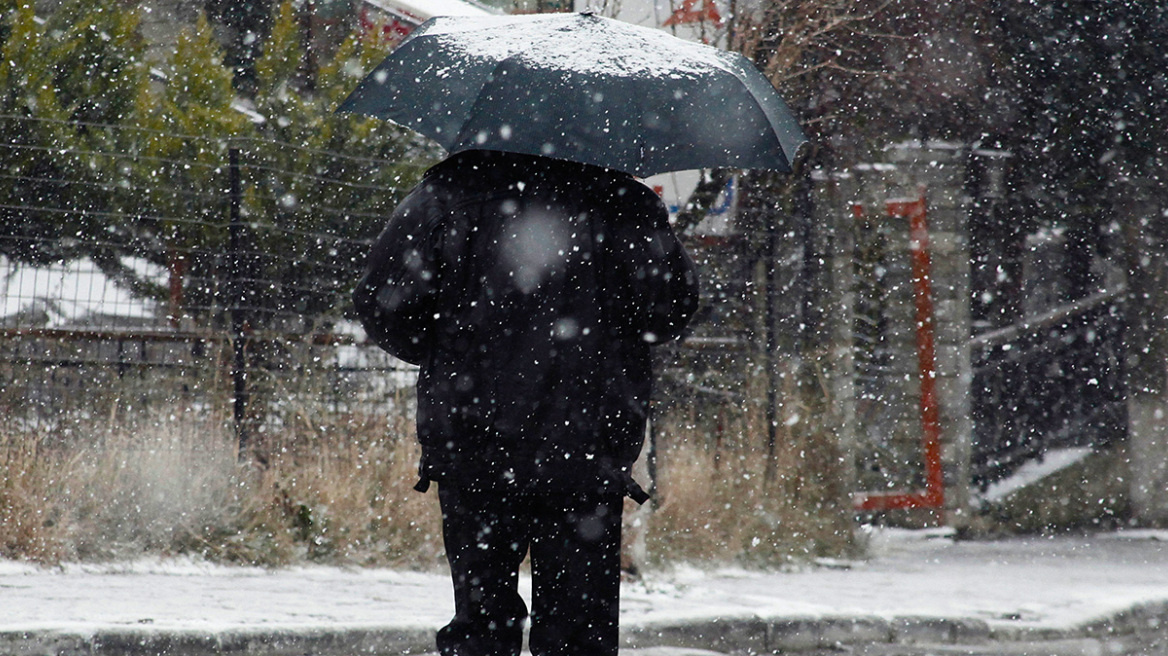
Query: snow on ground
{"type": "Point", "coordinates": [1057, 583]}
{"type": "Point", "coordinates": [188, 595]}
{"type": "Point", "coordinates": [1032, 582]}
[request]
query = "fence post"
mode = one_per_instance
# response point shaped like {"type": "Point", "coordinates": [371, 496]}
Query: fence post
{"type": "Point", "coordinates": [771, 345]}
{"type": "Point", "coordinates": [237, 293]}
{"type": "Point", "coordinates": [651, 456]}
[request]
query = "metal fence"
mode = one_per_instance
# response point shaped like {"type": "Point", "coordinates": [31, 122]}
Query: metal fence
{"type": "Point", "coordinates": [215, 279]}
{"type": "Point", "coordinates": [213, 276]}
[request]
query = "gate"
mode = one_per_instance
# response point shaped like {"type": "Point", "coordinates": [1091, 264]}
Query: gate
{"type": "Point", "coordinates": [949, 403]}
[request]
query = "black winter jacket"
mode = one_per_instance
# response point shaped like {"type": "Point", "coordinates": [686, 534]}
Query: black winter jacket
{"type": "Point", "coordinates": [529, 291]}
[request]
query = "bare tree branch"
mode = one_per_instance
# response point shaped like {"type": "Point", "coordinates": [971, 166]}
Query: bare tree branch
{"type": "Point", "coordinates": [797, 44]}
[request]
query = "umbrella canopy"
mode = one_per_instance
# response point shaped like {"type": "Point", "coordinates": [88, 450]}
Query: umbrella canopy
{"type": "Point", "coordinates": [582, 88]}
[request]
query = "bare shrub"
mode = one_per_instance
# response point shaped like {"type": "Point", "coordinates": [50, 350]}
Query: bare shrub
{"type": "Point", "coordinates": [336, 487]}
{"type": "Point", "coordinates": [176, 488]}
{"type": "Point", "coordinates": [719, 503]}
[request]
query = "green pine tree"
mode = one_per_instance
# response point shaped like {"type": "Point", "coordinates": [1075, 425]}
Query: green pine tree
{"type": "Point", "coordinates": [179, 166]}
{"type": "Point", "coordinates": [41, 148]}
{"type": "Point", "coordinates": [313, 184]}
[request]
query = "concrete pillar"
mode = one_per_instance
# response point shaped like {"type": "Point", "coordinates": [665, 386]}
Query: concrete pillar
{"type": "Point", "coordinates": [1148, 457]}
{"type": "Point", "coordinates": [894, 418]}
{"type": "Point", "coordinates": [1142, 210]}
{"type": "Point", "coordinates": [942, 172]}
{"type": "Point", "coordinates": [839, 312]}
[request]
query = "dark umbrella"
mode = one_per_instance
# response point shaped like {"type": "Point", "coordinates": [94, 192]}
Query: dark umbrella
{"type": "Point", "coordinates": [582, 88]}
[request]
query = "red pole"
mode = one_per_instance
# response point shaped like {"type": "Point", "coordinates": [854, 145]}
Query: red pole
{"type": "Point", "coordinates": [933, 496]}
{"type": "Point", "coordinates": [926, 350]}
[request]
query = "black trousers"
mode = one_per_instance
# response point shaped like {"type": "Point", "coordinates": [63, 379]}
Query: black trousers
{"type": "Point", "coordinates": [574, 540]}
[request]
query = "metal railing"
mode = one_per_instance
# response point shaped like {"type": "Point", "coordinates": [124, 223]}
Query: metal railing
{"type": "Point", "coordinates": [1054, 380]}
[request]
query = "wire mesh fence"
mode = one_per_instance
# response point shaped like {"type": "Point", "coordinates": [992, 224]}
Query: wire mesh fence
{"type": "Point", "coordinates": [148, 272]}
{"type": "Point", "coordinates": [215, 279]}
{"type": "Point", "coordinates": [151, 273]}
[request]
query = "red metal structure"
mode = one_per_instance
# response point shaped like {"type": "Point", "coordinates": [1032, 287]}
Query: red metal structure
{"type": "Point", "coordinates": [691, 12]}
{"type": "Point", "coordinates": [933, 495]}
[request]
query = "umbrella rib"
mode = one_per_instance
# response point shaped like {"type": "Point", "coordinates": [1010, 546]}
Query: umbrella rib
{"type": "Point", "coordinates": [460, 135]}
{"type": "Point", "coordinates": [775, 121]}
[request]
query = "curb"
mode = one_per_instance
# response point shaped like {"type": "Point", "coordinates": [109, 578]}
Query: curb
{"type": "Point", "coordinates": [762, 635]}
{"type": "Point", "coordinates": [753, 634]}
{"type": "Point", "coordinates": [147, 642]}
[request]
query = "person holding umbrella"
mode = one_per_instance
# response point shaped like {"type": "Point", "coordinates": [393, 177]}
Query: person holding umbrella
{"type": "Point", "coordinates": [529, 291]}
{"type": "Point", "coordinates": [529, 275]}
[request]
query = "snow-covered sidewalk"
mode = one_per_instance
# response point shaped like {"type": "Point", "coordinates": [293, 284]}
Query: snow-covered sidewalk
{"type": "Point", "coordinates": [1032, 587]}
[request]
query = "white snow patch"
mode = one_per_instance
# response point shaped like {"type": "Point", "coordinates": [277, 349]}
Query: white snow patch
{"type": "Point", "coordinates": [1025, 583]}
{"type": "Point", "coordinates": [73, 292]}
{"type": "Point", "coordinates": [1053, 461]}
{"type": "Point", "coordinates": [1156, 535]}
{"type": "Point", "coordinates": [584, 44]}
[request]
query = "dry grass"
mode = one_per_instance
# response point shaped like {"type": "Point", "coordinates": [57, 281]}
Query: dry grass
{"type": "Point", "coordinates": [176, 488]}
{"type": "Point", "coordinates": [717, 502]}
{"type": "Point", "coordinates": [731, 513]}
{"type": "Point", "coordinates": [340, 492]}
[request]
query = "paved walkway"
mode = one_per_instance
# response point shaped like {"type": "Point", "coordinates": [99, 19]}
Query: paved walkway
{"type": "Point", "coordinates": [916, 588]}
